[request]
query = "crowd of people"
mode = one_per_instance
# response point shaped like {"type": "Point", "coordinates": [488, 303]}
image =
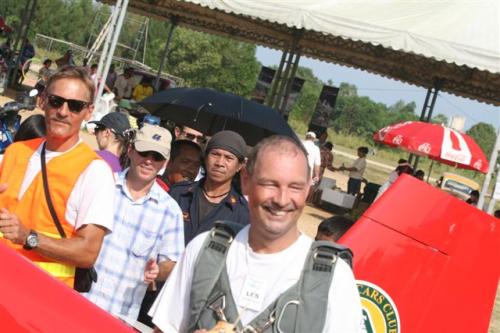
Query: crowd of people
{"type": "Point", "coordinates": [151, 202]}
{"type": "Point", "coordinates": [174, 230]}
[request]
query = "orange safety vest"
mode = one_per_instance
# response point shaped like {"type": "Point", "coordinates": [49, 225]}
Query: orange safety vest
{"type": "Point", "coordinates": [32, 210]}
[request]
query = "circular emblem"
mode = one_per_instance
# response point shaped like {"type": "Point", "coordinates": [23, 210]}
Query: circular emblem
{"type": "Point", "coordinates": [380, 314]}
{"type": "Point", "coordinates": [397, 140]}
{"type": "Point", "coordinates": [478, 165]}
{"type": "Point", "coordinates": [425, 148]}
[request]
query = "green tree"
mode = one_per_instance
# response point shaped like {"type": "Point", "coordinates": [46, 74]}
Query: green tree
{"type": "Point", "coordinates": [440, 119]}
{"type": "Point", "coordinates": [484, 135]}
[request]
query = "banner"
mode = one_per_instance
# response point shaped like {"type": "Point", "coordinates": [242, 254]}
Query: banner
{"type": "Point", "coordinates": [324, 107]}
{"type": "Point", "coordinates": [263, 84]}
{"type": "Point", "coordinates": [292, 97]}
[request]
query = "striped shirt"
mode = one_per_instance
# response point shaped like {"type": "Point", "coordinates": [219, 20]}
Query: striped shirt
{"type": "Point", "coordinates": [150, 227]}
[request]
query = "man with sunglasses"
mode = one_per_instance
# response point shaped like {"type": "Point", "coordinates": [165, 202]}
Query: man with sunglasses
{"type": "Point", "coordinates": [188, 133]}
{"type": "Point", "coordinates": [148, 236]}
{"type": "Point", "coordinates": [79, 184]}
{"type": "Point", "coordinates": [214, 197]}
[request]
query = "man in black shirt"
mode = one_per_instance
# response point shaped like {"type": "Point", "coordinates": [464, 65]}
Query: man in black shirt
{"type": "Point", "coordinates": [214, 197]}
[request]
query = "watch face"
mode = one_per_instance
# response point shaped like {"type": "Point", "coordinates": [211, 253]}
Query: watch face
{"type": "Point", "coordinates": [32, 240]}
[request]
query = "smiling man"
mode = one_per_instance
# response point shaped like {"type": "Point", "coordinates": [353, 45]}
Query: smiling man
{"type": "Point", "coordinates": [264, 262]}
{"type": "Point", "coordinates": [80, 184]}
{"type": "Point", "coordinates": [214, 197]}
{"type": "Point", "coordinates": [148, 235]}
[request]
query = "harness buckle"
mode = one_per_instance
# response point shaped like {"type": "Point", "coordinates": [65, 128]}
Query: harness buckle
{"type": "Point", "coordinates": [323, 259]}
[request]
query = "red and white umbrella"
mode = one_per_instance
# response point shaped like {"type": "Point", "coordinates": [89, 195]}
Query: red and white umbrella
{"type": "Point", "coordinates": [436, 142]}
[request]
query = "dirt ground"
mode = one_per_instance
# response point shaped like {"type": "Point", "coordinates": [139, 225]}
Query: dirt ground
{"type": "Point", "coordinates": [310, 218]}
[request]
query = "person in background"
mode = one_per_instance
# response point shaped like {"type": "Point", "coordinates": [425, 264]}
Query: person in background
{"type": "Point", "coordinates": [143, 89]}
{"type": "Point", "coordinates": [123, 84]}
{"type": "Point", "coordinates": [31, 128]}
{"type": "Point", "coordinates": [188, 133]}
{"type": "Point", "coordinates": [112, 139]}
{"type": "Point", "coordinates": [402, 168]}
{"type": "Point", "coordinates": [111, 78]}
{"type": "Point", "coordinates": [497, 213]}
{"type": "Point", "coordinates": [80, 182]}
{"type": "Point", "coordinates": [474, 198]}
{"type": "Point", "coordinates": [420, 174]}
{"type": "Point", "coordinates": [356, 171]}
{"type": "Point", "coordinates": [214, 197]}
{"type": "Point", "coordinates": [331, 229]}
{"type": "Point", "coordinates": [93, 72]}
{"type": "Point", "coordinates": [326, 159]}
{"type": "Point", "coordinates": [65, 60]}
{"type": "Point", "coordinates": [27, 52]}
{"type": "Point", "coordinates": [185, 161]}
{"type": "Point", "coordinates": [183, 165]}
{"type": "Point", "coordinates": [43, 75]}
{"type": "Point", "coordinates": [313, 156]}
{"type": "Point", "coordinates": [148, 230]}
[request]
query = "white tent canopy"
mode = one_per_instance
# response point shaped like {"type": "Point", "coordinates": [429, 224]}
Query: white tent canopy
{"type": "Point", "coordinates": [456, 41]}
{"type": "Point", "coordinates": [460, 32]}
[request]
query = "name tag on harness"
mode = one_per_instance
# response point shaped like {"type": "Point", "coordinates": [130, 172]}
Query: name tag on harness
{"type": "Point", "coordinates": [252, 295]}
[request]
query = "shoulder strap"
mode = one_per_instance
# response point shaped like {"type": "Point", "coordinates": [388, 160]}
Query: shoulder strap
{"type": "Point", "coordinates": [302, 308]}
{"type": "Point", "coordinates": [47, 194]}
{"type": "Point", "coordinates": [209, 266]}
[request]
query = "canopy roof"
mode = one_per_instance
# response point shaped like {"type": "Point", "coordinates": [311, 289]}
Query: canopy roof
{"type": "Point", "coordinates": [411, 41]}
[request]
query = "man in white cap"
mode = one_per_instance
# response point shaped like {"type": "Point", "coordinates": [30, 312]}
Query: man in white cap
{"type": "Point", "coordinates": [148, 235]}
{"type": "Point", "coordinates": [313, 156]}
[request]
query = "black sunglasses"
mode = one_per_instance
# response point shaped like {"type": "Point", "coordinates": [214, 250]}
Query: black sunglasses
{"type": "Point", "coordinates": [197, 138]}
{"type": "Point", "coordinates": [157, 157]}
{"type": "Point", "coordinates": [74, 105]}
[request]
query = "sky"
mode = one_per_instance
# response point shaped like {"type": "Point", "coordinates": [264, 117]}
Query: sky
{"type": "Point", "coordinates": [388, 91]}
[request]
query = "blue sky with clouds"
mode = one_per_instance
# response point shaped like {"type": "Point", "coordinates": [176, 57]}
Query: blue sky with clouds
{"type": "Point", "coordinates": [388, 91]}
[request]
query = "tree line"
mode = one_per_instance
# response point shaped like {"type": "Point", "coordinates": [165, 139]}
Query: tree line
{"type": "Point", "coordinates": [225, 64]}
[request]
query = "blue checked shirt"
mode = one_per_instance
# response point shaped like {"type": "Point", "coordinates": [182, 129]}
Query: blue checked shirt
{"type": "Point", "coordinates": [151, 227]}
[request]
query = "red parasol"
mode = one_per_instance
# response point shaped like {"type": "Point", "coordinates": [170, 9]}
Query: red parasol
{"type": "Point", "coordinates": [436, 142]}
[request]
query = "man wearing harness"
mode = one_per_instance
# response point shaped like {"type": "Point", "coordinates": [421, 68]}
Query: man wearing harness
{"type": "Point", "coordinates": [273, 277]}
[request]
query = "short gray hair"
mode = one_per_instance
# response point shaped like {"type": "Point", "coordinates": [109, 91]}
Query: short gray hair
{"type": "Point", "coordinates": [279, 142]}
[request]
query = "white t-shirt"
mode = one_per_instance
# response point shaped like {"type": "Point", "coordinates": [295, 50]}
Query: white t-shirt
{"type": "Point", "coordinates": [92, 199]}
{"type": "Point", "coordinates": [360, 165]}
{"type": "Point", "coordinates": [313, 154]}
{"type": "Point", "coordinates": [279, 271]}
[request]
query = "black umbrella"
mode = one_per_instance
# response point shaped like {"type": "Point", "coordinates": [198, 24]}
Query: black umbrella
{"type": "Point", "coordinates": [210, 111]}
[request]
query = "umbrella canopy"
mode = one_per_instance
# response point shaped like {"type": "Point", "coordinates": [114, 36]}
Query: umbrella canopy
{"type": "Point", "coordinates": [436, 142]}
{"type": "Point", "coordinates": [210, 111]}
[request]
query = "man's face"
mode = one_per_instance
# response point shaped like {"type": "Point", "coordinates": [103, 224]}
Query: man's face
{"type": "Point", "coordinates": [188, 133]}
{"type": "Point", "coordinates": [145, 165]}
{"type": "Point", "coordinates": [62, 123]}
{"type": "Point", "coordinates": [221, 165]}
{"type": "Point", "coordinates": [277, 191]}
{"type": "Point", "coordinates": [185, 166]}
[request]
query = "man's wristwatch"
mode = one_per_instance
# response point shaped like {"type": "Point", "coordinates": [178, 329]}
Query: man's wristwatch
{"type": "Point", "coordinates": [31, 241]}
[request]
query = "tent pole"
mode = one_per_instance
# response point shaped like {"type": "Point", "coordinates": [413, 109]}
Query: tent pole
{"type": "Point", "coordinates": [116, 34]}
{"type": "Point", "coordinates": [422, 116]}
{"type": "Point", "coordinates": [107, 41]}
{"type": "Point", "coordinates": [430, 170]}
{"type": "Point", "coordinates": [276, 79]}
{"type": "Point", "coordinates": [173, 24]}
{"type": "Point", "coordinates": [289, 84]}
{"type": "Point", "coordinates": [438, 83]}
{"type": "Point", "coordinates": [491, 169]}
{"type": "Point", "coordinates": [286, 76]}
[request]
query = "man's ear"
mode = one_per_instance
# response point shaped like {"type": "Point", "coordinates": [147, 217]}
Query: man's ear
{"type": "Point", "coordinates": [244, 180]}
{"type": "Point", "coordinates": [90, 110]}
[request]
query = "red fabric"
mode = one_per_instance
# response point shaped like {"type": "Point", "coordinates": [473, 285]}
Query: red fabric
{"type": "Point", "coordinates": [162, 184]}
{"type": "Point", "coordinates": [426, 139]}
